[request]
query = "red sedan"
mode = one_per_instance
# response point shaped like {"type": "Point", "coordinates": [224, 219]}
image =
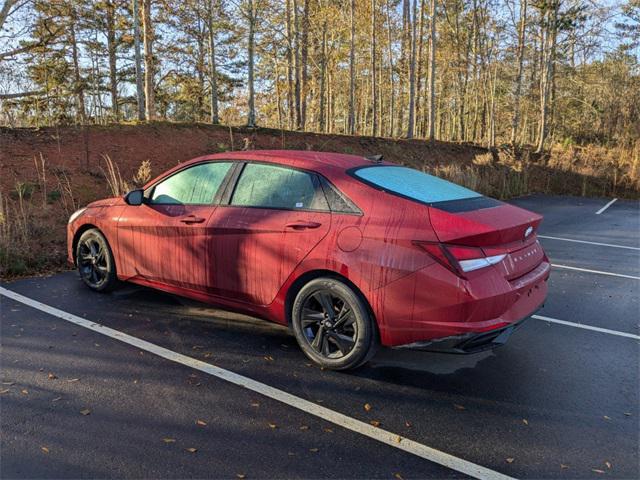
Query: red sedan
{"type": "Point", "coordinates": [350, 252]}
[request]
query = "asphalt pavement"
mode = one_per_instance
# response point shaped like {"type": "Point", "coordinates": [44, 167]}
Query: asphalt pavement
{"type": "Point", "coordinates": [558, 401]}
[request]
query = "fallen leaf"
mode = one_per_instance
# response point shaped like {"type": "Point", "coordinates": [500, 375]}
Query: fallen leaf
{"type": "Point", "coordinates": [375, 423]}
{"type": "Point", "coordinates": [85, 412]}
{"type": "Point", "coordinates": [52, 376]}
{"type": "Point", "coordinates": [367, 407]}
{"type": "Point", "coordinates": [328, 430]}
{"type": "Point", "coordinates": [255, 404]}
{"type": "Point", "coordinates": [71, 380]}
{"type": "Point", "coordinates": [510, 460]}
{"type": "Point", "coordinates": [207, 355]}
{"type": "Point", "coordinates": [24, 392]}
{"type": "Point", "coordinates": [241, 475]}
{"type": "Point", "coordinates": [563, 466]}
{"type": "Point", "coordinates": [197, 347]}
{"type": "Point", "coordinates": [56, 399]}
{"type": "Point", "coordinates": [202, 423]}
{"type": "Point", "coordinates": [398, 476]}
{"type": "Point", "coordinates": [597, 470]}
{"type": "Point", "coordinates": [273, 425]}
{"type": "Point", "coordinates": [191, 450]}
{"type": "Point", "coordinates": [608, 464]}
{"type": "Point", "coordinates": [268, 358]}
{"type": "Point", "coordinates": [304, 427]}
{"type": "Point", "coordinates": [399, 439]}
{"type": "Point", "coordinates": [314, 450]}
{"type": "Point", "coordinates": [169, 440]}
{"type": "Point", "coordinates": [44, 449]}
{"type": "Point", "coordinates": [607, 417]}
{"type": "Point", "coordinates": [407, 424]}
{"type": "Point", "coordinates": [458, 407]}
{"type": "Point", "coordinates": [4, 391]}
{"type": "Point", "coordinates": [97, 344]}
{"type": "Point", "coordinates": [525, 421]}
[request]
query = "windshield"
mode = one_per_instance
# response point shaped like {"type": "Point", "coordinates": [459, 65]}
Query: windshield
{"type": "Point", "coordinates": [414, 184]}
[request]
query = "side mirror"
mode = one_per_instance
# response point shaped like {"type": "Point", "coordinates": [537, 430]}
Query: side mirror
{"type": "Point", "coordinates": [134, 197]}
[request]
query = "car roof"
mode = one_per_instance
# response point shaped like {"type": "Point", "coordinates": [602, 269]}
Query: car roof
{"type": "Point", "coordinates": [321, 162]}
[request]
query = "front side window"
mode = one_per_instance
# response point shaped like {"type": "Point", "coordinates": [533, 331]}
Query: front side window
{"type": "Point", "coordinates": [195, 185]}
{"type": "Point", "coordinates": [270, 186]}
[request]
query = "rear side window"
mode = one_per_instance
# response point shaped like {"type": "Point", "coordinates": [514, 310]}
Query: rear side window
{"type": "Point", "coordinates": [195, 185]}
{"type": "Point", "coordinates": [270, 186]}
{"type": "Point", "coordinates": [414, 184]}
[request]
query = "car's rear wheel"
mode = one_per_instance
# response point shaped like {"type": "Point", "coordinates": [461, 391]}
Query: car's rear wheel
{"type": "Point", "coordinates": [333, 325]}
{"type": "Point", "coordinates": [95, 262]}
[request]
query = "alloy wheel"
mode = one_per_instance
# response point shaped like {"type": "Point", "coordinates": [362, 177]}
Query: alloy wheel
{"type": "Point", "coordinates": [328, 324]}
{"type": "Point", "coordinates": [92, 262]}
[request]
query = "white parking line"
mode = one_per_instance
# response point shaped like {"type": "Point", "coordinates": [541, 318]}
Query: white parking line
{"type": "Point", "coordinates": [586, 327]}
{"type": "Point", "coordinates": [389, 438]}
{"type": "Point", "coordinates": [599, 272]}
{"type": "Point", "coordinates": [606, 206]}
{"type": "Point", "coordinates": [589, 243]}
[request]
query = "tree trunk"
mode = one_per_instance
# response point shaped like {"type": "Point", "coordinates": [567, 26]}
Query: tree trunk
{"type": "Point", "coordinates": [412, 71]}
{"type": "Point", "coordinates": [149, 61]}
{"type": "Point", "coordinates": [352, 72]}
{"type": "Point", "coordinates": [391, 76]}
{"type": "Point", "coordinates": [304, 55]}
{"type": "Point", "coordinates": [111, 52]}
{"type": "Point", "coordinates": [432, 72]}
{"type": "Point", "coordinates": [251, 118]}
{"type": "Point", "coordinates": [290, 68]}
{"type": "Point", "coordinates": [213, 74]}
{"type": "Point", "coordinates": [78, 87]}
{"type": "Point", "coordinates": [518, 87]}
{"type": "Point", "coordinates": [296, 55]}
{"type": "Point", "coordinates": [374, 86]}
{"type": "Point", "coordinates": [323, 78]}
{"type": "Point", "coordinates": [551, 16]}
{"type": "Point", "coordinates": [138, 60]}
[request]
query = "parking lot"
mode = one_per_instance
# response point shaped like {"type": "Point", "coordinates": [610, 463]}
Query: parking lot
{"type": "Point", "coordinates": [560, 400]}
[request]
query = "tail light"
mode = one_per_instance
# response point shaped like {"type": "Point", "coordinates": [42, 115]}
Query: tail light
{"type": "Point", "coordinates": [459, 259]}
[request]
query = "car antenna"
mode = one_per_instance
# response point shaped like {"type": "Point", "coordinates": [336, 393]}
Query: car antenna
{"type": "Point", "coordinates": [375, 158]}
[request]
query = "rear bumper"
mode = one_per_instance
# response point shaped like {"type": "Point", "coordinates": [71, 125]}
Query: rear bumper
{"type": "Point", "coordinates": [469, 342]}
{"type": "Point", "coordinates": [462, 316]}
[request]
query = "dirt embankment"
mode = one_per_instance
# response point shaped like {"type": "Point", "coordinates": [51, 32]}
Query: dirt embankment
{"type": "Point", "coordinates": [46, 173]}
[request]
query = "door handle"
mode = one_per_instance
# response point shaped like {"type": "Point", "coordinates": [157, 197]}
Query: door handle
{"type": "Point", "coordinates": [192, 219]}
{"type": "Point", "coordinates": [303, 225]}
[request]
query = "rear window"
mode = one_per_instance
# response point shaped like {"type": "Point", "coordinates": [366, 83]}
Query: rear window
{"type": "Point", "coordinates": [414, 184]}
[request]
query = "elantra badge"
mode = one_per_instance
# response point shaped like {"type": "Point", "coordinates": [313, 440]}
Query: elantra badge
{"type": "Point", "coordinates": [528, 231]}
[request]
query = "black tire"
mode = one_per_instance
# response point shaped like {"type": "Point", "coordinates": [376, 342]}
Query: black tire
{"type": "Point", "coordinates": [332, 325]}
{"type": "Point", "coordinates": [95, 261]}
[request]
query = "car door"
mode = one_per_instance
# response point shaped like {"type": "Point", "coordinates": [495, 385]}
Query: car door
{"type": "Point", "coordinates": [273, 219]}
{"type": "Point", "coordinates": [166, 239]}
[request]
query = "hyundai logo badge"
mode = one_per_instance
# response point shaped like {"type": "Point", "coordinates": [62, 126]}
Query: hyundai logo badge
{"type": "Point", "coordinates": [528, 231]}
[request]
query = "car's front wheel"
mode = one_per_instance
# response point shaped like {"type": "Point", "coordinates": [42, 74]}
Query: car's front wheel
{"type": "Point", "coordinates": [95, 262]}
{"type": "Point", "coordinates": [333, 325]}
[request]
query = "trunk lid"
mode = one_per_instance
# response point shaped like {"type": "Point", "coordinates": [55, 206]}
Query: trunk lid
{"type": "Point", "coordinates": [497, 229]}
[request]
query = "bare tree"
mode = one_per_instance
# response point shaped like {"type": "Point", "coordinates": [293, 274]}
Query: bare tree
{"type": "Point", "coordinates": [374, 85]}
{"type": "Point", "coordinates": [352, 72]}
{"type": "Point", "coordinates": [213, 74]}
{"type": "Point", "coordinates": [412, 71]}
{"type": "Point", "coordinates": [251, 114]}
{"type": "Point", "coordinates": [432, 72]}
{"type": "Point", "coordinates": [138, 60]}
{"type": "Point", "coordinates": [148, 37]}
{"type": "Point", "coordinates": [518, 87]}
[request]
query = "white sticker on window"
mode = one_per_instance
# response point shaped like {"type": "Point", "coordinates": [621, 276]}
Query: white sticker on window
{"type": "Point", "coordinates": [298, 204]}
